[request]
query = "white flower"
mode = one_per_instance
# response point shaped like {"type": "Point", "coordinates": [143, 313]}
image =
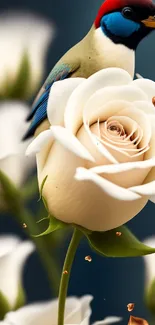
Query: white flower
{"type": "Point", "coordinates": [78, 311]}
{"type": "Point", "coordinates": [13, 254]}
{"type": "Point", "coordinates": [149, 261]}
{"type": "Point", "coordinates": [12, 150]}
{"type": "Point", "coordinates": [99, 153]}
{"type": "Point", "coordinates": [23, 34]}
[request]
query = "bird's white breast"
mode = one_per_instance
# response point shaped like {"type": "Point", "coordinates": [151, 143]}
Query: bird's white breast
{"type": "Point", "coordinates": [114, 55]}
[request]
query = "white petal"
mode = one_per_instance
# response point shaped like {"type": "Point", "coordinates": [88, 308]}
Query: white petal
{"type": "Point", "coordinates": [84, 203]}
{"type": "Point", "coordinates": [100, 147]}
{"type": "Point", "coordinates": [39, 142]}
{"type": "Point", "coordinates": [8, 244]}
{"type": "Point", "coordinates": [119, 168]}
{"type": "Point", "coordinates": [148, 86]}
{"type": "Point", "coordinates": [70, 142]}
{"type": "Point", "coordinates": [144, 190]}
{"type": "Point", "coordinates": [18, 31]}
{"type": "Point", "coordinates": [46, 313]}
{"type": "Point", "coordinates": [145, 106]}
{"type": "Point", "coordinates": [12, 127]}
{"type": "Point", "coordinates": [113, 99]}
{"type": "Point", "coordinates": [152, 198]}
{"type": "Point", "coordinates": [101, 79]}
{"type": "Point", "coordinates": [109, 320]}
{"type": "Point", "coordinates": [59, 95]}
{"type": "Point", "coordinates": [149, 261]}
{"type": "Point", "coordinates": [81, 314]}
{"type": "Point", "coordinates": [111, 189]}
{"type": "Point", "coordinates": [138, 76]}
{"type": "Point", "coordinates": [11, 267]}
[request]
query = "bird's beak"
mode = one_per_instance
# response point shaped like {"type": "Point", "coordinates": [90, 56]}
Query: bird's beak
{"type": "Point", "coordinates": [149, 22]}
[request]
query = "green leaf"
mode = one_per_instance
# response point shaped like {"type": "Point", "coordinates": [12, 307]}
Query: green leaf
{"type": "Point", "coordinates": [4, 306]}
{"type": "Point", "coordinates": [54, 225]}
{"type": "Point", "coordinates": [119, 242]}
{"type": "Point", "coordinates": [21, 298]}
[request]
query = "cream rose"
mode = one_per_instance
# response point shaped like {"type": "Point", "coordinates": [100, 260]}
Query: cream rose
{"type": "Point", "coordinates": [99, 153]}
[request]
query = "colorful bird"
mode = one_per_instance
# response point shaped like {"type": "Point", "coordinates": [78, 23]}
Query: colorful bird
{"type": "Point", "coordinates": [111, 42]}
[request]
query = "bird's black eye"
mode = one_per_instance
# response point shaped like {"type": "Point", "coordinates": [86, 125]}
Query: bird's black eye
{"type": "Point", "coordinates": [127, 12]}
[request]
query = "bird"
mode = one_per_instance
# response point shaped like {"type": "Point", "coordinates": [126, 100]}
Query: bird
{"type": "Point", "coordinates": [117, 30]}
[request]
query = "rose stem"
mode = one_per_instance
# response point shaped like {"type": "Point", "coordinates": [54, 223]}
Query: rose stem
{"type": "Point", "coordinates": [66, 273]}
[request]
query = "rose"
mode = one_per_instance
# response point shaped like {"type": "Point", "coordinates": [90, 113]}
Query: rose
{"type": "Point", "coordinates": [78, 311]}
{"type": "Point", "coordinates": [24, 42]}
{"type": "Point", "coordinates": [13, 254]}
{"type": "Point", "coordinates": [99, 154]}
{"type": "Point", "coordinates": [12, 150]}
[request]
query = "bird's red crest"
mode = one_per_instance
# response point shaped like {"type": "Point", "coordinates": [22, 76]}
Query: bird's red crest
{"type": "Point", "coordinates": [112, 5]}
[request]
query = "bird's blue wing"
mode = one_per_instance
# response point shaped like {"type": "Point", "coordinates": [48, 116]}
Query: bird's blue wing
{"type": "Point", "coordinates": [39, 109]}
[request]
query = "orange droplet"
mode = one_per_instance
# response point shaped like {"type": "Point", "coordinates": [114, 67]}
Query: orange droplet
{"type": "Point", "coordinates": [137, 321]}
{"type": "Point", "coordinates": [24, 225]}
{"type": "Point", "coordinates": [118, 234]}
{"type": "Point", "coordinates": [88, 258]}
{"type": "Point", "coordinates": [153, 100]}
{"type": "Point", "coordinates": [131, 307]}
{"type": "Point", "coordinates": [65, 272]}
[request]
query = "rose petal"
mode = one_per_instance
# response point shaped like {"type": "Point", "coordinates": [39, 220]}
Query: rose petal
{"type": "Point", "coordinates": [109, 101]}
{"type": "Point", "coordinates": [39, 142]}
{"type": "Point", "coordinates": [109, 188]}
{"type": "Point", "coordinates": [99, 148]}
{"type": "Point", "coordinates": [101, 79]}
{"type": "Point", "coordinates": [144, 190]}
{"type": "Point", "coordinates": [70, 142]}
{"type": "Point", "coordinates": [86, 203]}
{"type": "Point", "coordinates": [119, 168]}
{"type": "Point", "coordinates": [142, 120]}
{"type": "Point", "coordinates": [146, 85]}
{"type": "Point", "coordinates": [59, 95]}
{"type": "Point", "coordinates": [145, 106]}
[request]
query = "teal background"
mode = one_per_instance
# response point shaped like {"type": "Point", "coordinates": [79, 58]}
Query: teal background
{"type": "Point", "coordinates": [113, 282]}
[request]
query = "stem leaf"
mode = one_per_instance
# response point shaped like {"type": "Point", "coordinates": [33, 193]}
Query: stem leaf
{"type": "Point", "coordinates": [119, 242]}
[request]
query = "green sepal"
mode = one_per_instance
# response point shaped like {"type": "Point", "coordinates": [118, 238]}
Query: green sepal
{"type": "Point", "coordinates": [10, 194]}
{"type": "Point", "coordinates": [4, 306]}
{"type": "Point", "coordinates": [42, 187]}
{"type": "Point", "coordinates": [54, 225]}
{"type": "Point", "coordinates": [21, 87]}
{"type": "Point", "coordinates": [21, 298]}
{"type": "Point", "coordinates": [113, 244]}
{"type": "Point", "coordinates": [43, 219]}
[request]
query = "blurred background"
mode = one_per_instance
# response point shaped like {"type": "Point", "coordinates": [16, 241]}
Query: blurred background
{"type": "Point", "coordinates": [113, 282]}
